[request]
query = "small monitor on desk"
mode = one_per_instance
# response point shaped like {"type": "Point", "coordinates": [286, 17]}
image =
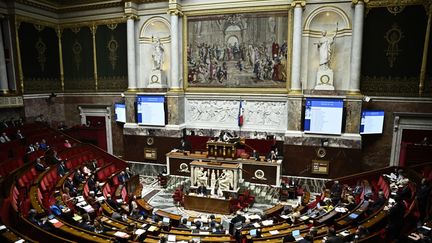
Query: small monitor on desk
{"type": "Point", "coordinates": [353, 216]}
{"type": "Point", "coordinates": [295, 233]}
{"type": "Point", "coordinates": [166, 220]}
{"type": "Point", "coordinates": [253, 232]}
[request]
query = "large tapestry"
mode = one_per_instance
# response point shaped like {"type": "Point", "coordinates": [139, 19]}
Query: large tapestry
{"type": "Point", "coordinates": [247, 50]}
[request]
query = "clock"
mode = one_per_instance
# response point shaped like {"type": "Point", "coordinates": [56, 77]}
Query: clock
{"type": "Point", "coordinates": [150, 141]}
{"type": "Point", "coordinates": [325, 79]}
{"type": "Point", "coordinates": [154, 79]}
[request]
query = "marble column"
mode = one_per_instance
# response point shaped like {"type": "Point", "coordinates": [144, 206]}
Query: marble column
{"type": "Point", "coordinates": [175, 79]}
{"type": "Point", "coordinates": [132, 83]}
{"type": "Point", "coordinates": [356, 49]}
{"type": "Point", "coordinates": [4, 87]}
{"type": "Point", "coordinates": [296, 47]}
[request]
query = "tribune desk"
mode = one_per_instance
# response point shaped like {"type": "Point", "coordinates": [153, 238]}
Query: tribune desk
{"type": "Point", "coordinates": [207, 204]}
{"type": "Point", "coordinates": [260, 172]}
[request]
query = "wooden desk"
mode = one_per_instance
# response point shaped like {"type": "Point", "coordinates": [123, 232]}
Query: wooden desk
{"type": "Point", "coordinates": [275, 210]}
{"type": "Point", "coordinates": [221, 149]}
{"type": "Point", "coordinates": [207, 204]}
{"type": "Point", "coordinates": [175, 218]}
{"type": "Point", "coordinates": [179, 164]}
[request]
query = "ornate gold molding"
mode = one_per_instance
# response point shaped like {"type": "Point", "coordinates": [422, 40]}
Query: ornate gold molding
{"type": "Point", "coordinates": [387, 3]}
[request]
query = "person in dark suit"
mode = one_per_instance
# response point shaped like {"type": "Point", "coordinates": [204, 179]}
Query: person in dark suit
{"type": "Point", "coordinates": [254, 155]}
{"type": "Point", "coordinates": [112, 202]}
{"type": "Point", "coordinates": [332, 237]}
{"type": "Point", "coordinates": [184, 145]}
{"type": "Point", "coordinates": [121, 177]}
{"type": "Point", "coordinates": [271, 156]}
{"type": "Point", "coordinates": [69, 184]}
{"type": "Point", "coordinates": [202, 190]}
{"type": "Point", "coordinates": [395, 219]}
{"type": "Point", "coordinates": [61, 169]}
{"type": "Point", "coordinates": [39, 166]}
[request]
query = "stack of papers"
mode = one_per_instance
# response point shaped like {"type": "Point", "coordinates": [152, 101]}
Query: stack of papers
{"type": "Point", "coordinates": [2, 227]}
{"type": "Point", "coordinates": [274, 232]}
{"type": "Point", "coordinates": [121, 234]}
{"type": "Point", "coordinates": [256, 225]}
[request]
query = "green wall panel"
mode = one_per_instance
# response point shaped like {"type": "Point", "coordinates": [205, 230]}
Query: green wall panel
{"type": "Point", "coordinates": [78, 59]}
{"type": "Point", "coordinates": [111, 49]}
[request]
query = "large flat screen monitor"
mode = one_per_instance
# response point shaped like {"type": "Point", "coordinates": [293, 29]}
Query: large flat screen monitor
{"type": "Point", "coordinates": [151, 110]}
{"type": "Point", "coordinates": [372, 122]}
{"type": "Point", "coordinates": [323, 116]}
{"type": "Point", "coordinates": [120, 112]}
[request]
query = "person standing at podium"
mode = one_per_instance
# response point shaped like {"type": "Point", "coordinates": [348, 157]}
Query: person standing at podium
{"type": "Point", "coordinates": [254, 155]}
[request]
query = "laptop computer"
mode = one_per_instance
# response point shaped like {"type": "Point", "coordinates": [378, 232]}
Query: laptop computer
{"type": "Point", "coordinates": [296, 235]}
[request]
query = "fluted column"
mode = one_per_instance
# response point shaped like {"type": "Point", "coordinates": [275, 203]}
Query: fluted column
{"type": "Point", "coordinates": [174, 11]}
{"type": "Point", "coordinates": [132, 83]}
{"type": "Point", "coordinates": [356, 49]}
{"type": "Point", "coordinates": [4, 87]}
{"type": "Point", "coordinates": [296, 47]}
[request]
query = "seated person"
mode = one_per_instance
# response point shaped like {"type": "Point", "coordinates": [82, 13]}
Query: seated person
{"type": "Point", "coordinates": [61, 169]}
{"type": "Point", "coordinates": [112, 203]}
{"type": "Point", "coordinates": [202, 189]}
{"type": "Point", "coordinates": [4, 138]}
{"type": "Point", "coordinates": [78, 177]}
{"type": "Point", "coordinates": [254, 155]}
{"type": "Point", "coordinates": [69, 184]}
{"type": "Point", "coordinates": [67, 144]}
{"type": "Point", "coordinates": [184, 145]}
{"type": "Point", "coordinates": [56, 208]}
{"type": "Point", "coordinates": [271, 156]}
{"type": "Point", "coordinates": [39, 166]}
{"type": "Point", "coordinates": [43, 145]}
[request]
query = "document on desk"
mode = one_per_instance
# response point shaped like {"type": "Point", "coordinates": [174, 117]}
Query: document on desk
{"type": "Point", "coordinates": [20, 241]}
{"type": "Point", "coordinates": [256, 225]}
{"type": "Point", "coordinates": [172, 238]}
{"type": "Point", "coordinates": [139, 231]}
{"type": "Point", "coordinates": [121, 234]}
{"type": "Point", "coordinates": [152, 228]}
{"type": "Point", "coordinates": [267, 222]}
{"type": "Point", "coordinates": [204, 233]}
{"type": "Point", "coordinates": [274, 232]}
{"type": "Point", "coordinates": [2, 227]}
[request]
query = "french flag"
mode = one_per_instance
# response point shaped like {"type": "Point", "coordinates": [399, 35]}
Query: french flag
{"type": "Point", "coordinates": [240, 115]}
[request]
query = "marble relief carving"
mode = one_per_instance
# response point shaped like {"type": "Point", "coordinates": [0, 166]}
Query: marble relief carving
{"type": "Point", "coordinates": [257, 113]}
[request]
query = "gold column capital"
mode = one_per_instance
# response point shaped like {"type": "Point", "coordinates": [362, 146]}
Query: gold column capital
{"type": "Point", "coordinates": [354, 2]}
{"type": "Point", "coordinates": [93, 29]}
{"type": "Point", "coordinates": [298, 3]}
{"type": "Point", "coordinates": [59, 32]}
{"type": "Point", "coordinates": [131, 16]}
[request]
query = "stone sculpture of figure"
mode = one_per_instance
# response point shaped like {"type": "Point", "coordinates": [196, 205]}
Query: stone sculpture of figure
{"type": "Point", "coordinates": [325, 45]}
{"type": "Point", "coordinates": [157, 55]}
{"type": "Point", "coordinates": [225, 180]}
{"type": "Point", "coordinates": [202, 178]}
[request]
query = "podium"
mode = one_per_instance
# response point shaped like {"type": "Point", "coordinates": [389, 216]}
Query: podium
{"type": "Point", "coordinates": [221, 149]}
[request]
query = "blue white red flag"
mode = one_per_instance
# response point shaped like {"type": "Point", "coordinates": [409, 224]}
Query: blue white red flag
{"type": "Point", "coordinates": [240, 115]}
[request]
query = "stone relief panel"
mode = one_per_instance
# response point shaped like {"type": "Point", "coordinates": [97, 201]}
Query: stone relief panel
{"type": "Point", "coordinates": [258, 115]}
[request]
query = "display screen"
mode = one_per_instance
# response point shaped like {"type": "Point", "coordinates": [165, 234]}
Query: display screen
{"type": "Point", "coordinates": [120, 112]}
{"type": "Point", "coordinates": [372, 122]}
{"type": "Point", "coordinates": [323, 116]}
{"type": "Point", "coordinates": [151, 110]}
